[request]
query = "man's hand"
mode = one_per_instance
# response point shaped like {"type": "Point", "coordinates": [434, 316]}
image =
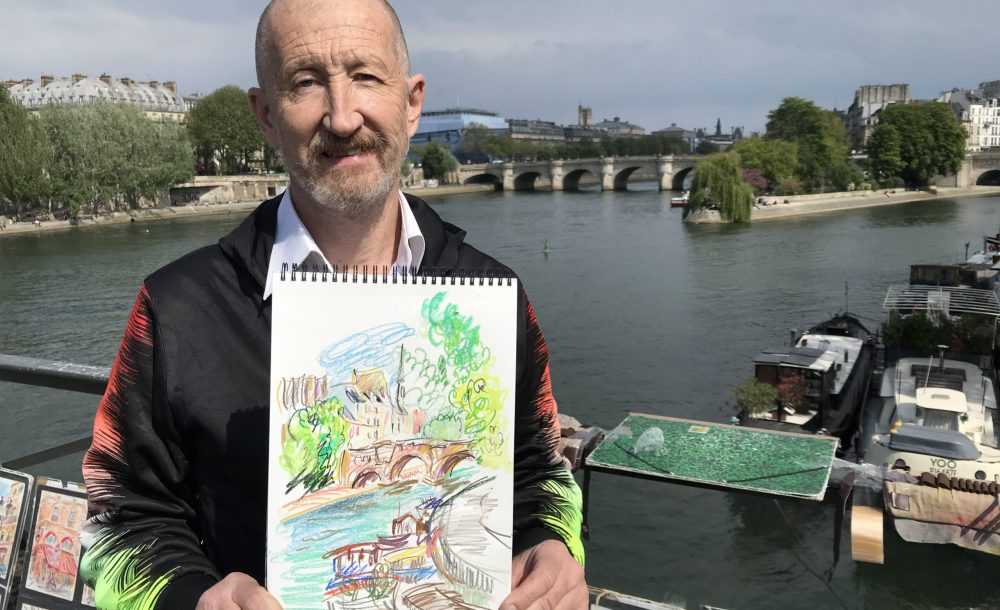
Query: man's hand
{"type": "Point", "coordinates": [237, 592]}
{"type": "Point", "coordinates": [546, 577]}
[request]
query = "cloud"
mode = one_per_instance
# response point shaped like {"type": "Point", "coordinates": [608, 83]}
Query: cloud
{"type": "Point", "coordinates": [650, 62]}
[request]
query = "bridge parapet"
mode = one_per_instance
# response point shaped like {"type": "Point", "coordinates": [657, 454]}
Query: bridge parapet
{"type": "Point", "coordinates": [566, 174]}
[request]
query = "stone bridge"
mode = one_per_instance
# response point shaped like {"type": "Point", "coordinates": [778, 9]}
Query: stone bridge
{"type": "Point", "coordinates": [388, 461]}
{"type": "Point", "coordinates": [612, 173]}
{"type": "Point", "coordinates": [981, 168]}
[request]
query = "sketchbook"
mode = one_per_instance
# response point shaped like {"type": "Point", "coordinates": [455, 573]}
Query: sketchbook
{"type": "Point", "coordinates": [391, 440]}
{"type": "Point", "coordinates": [51, 579]}
{"type": "Point", "coordinates": [15, 489]}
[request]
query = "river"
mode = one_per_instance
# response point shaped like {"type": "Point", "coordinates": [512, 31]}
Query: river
{"type": "Point", "coordinates": [642, 313]}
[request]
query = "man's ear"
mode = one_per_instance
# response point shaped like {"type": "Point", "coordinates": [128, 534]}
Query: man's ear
{"type": "Point", "coordinates": [416, 102]}
{"type": "Point", "coordinates": [261, 109]}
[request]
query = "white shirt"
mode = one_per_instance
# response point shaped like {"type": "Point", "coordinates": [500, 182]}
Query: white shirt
{"type": "Point", "coordinates": [293, 243]}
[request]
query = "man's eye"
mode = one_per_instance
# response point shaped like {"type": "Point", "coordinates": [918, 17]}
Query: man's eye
{"type": "Point", "coordinates": [364, 77]}
{"type": "Point", "coordinates": [305, 83]}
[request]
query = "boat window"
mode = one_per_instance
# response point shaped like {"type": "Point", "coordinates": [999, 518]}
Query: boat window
{"type": "Point", "coordinates": [940, 420]}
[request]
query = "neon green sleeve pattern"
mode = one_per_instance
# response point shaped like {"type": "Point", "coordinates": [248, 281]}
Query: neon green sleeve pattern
{"type": "Point", "coordinates": [563, 510]}
{"type": "Point", "coordinates": [120, 578]}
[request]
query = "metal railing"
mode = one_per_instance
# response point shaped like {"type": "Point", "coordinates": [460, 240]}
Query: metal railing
{"type": "Point", "coordinates": [58, 375]}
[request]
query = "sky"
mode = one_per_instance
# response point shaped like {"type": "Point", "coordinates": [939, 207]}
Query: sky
{"type": "Point", "coordinates": [650, 62]}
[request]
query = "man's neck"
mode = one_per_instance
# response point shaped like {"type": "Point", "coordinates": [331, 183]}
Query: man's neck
{"type": "Point", "coordinates": [347, 241]}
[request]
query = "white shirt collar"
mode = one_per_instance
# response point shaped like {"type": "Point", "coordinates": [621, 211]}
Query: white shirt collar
{"type": "Point", "coordinates": [293, 243]}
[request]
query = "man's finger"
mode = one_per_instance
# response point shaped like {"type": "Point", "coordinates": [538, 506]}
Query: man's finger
{"type": "Point", "coordinates": [535, 585]}
{"type": "Point", "coordinates": [255, 598]}
{"type": "Point", "coordinates": [577, 599]}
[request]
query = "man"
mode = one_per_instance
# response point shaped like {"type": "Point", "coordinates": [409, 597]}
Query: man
{"type": "Point", "coordinates": [176, 471]}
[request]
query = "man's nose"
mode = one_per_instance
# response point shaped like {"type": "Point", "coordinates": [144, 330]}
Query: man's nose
{"type": "Point", "coordinates": [343, 116]}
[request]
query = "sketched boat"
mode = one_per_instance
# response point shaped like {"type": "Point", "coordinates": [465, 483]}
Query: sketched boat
{"type": "Point", "coordinates": [822, 380]}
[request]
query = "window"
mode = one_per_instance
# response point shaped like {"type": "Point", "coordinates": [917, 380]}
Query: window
{"type": "Point", "coordinates": [54, 515]}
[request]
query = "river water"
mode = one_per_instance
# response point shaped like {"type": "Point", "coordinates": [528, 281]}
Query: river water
{"type": "Point", "coordinates": [642, 314]}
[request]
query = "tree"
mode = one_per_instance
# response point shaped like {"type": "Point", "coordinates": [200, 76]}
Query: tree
{"type": "Point", "coordinates": [112, 153]}
{"type": "Point", "coordinates": [774, 159]}
{"type": "Point", "coordinates": [25, 156]}
{"type": "Point", "coordinates": [477, 143]}
{"type": "Point", "coordinates": [222, 125]}
{"type": "Point", "coordinates": [719, 180]}
{"type": "Point", "coordinates": [885, 158]}
{"type": "Point", "coordinates": [706, 147]}
{"type": "Point", "coordinates": [438, 162]}
{"type": "Point", "coordinates": [754, 397]}
{"type": "Point", "coordinates": [755, 179]}
{"type": "Point", "coordinates": [819, 135]}
{"type": "Point", "coordinates": [931, 140]}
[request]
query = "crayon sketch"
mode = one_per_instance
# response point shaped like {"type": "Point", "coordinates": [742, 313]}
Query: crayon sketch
{"type": "Point", "coordinates": [391, 440]}
{"type": "Point", "coordinates": [55, 548]}
{"type": "Point", "coordinates": [12, 498]}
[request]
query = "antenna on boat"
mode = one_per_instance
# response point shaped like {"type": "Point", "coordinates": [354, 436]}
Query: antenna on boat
{"type": "Point", "coordinates": [846, 299]}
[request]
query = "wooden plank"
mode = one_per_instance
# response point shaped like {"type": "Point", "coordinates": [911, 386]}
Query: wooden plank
{"type": "Point", "coordinates": [718, 455]}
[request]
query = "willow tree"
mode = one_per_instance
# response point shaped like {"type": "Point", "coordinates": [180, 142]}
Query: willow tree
{"type": "Point", "coordinates": [718, 181]}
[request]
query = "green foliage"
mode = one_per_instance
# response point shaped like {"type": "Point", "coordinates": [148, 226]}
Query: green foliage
{"type": "Point", "coordinates": [931, 141]}
{"type": "Point", "coordinates": [819, 135]}
{"type": "Point", "coordinates": [478, 143]}
{"type": "Point", "coordinates": [847, 176]}
{"type": "Point", "coordinates": [970, 333]}
{"type": "Point", "coordinates": [885, 158]}
{"type": "Point", "coordinates": [718, 180]}
{"type": "Point", "coordinates": [753, 397]}
{"type": "Point", "coordinates": [311, 452]}
{"type": "Point", "coordinates": [774, 159]}
{"type": "Point", "coordinates": [222, 125]}
{"type": "Point", "coordinates": [112, 153]}
{"type": "Point", "coordinates": [475, 396]}
{"type": "Point", "coordinates": [25, 156]}
{"type": "Point", "coordinates": [706, 147]}
{"type": "Point", "coordinates": [788, 186]}
{"type": "Point", "coordinates": [438, 161]}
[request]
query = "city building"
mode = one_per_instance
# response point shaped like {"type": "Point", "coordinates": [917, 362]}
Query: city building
{"type": "Point", "coordinates": [620, 129]}
{"type": "Point", "coordinates": [536, 130]}
{"type": "Point", "coordinates": [159, 101]}
{"type": "Point", "coordinates": [869, 100]}
{"type": "Point", "coordinates": [688, 135]}
{"type": "Point", "coordinates": [979, 114]}
{"type": "Point", "coordinates": [447, 127]}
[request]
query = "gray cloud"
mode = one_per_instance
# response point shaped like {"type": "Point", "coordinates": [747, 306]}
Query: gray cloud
{"type": "Point", "coordinates": [651, 62]}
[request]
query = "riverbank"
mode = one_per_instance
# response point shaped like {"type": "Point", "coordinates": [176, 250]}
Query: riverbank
{"type": "Point", "coordinates": [775, 208]}
{"type": "Point", "coordinates": [185, 211]}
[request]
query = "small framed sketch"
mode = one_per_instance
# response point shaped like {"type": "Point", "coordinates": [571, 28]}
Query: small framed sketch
{"type": "Point", "coordinates": [15, 489]}
{"type": "Point", "coordinates": [51, 578]}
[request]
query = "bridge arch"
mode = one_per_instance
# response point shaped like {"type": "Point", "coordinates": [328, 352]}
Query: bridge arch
{"type": "Point", "coordinates": [366, 478]}
{"type": "Point", "coordinates": [621, 178]}
{"type": "Point", "coordinates": [485, 179]}
{"type": "Point", "coordinates": [403, 462]}
{"type": "Point", "coordinates": [989, 178]}
{"type": "Point", "coordinates": [571, 181]}
{"type": "Point", "coordinates": [526, 181]}
{"type": "Point", "coordinates": [452, 461]}
{"type": "Point", "coordinates": [677, 184]}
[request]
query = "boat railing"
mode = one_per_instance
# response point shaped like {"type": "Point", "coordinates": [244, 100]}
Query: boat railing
{"type": "Point", "coordinates": [57, 375]}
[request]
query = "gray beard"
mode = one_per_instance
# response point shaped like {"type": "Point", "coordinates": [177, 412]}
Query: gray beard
{"type": "Point", "coordinates": [363, 208]}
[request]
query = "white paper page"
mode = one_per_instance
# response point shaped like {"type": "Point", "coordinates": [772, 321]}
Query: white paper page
{"type": "Point", "coordinates": [391, 444]}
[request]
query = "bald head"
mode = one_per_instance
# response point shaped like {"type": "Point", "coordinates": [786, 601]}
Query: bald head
{"type": "Point", "coordinates": [265, 50]}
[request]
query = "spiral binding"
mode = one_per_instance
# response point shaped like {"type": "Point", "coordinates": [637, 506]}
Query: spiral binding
{"type": "Point", "coordinates": [395, 275]}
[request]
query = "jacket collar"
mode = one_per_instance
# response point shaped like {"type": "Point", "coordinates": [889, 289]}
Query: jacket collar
{"type": "Point", "coordinates": [249, 245]}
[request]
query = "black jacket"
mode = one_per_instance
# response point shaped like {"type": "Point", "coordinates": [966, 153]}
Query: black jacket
{"type": "Point", "coordinates": [177, 472]}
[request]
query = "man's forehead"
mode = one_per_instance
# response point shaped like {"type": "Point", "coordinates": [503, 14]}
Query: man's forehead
{"type": "Point", "coordinates": [298, 18]}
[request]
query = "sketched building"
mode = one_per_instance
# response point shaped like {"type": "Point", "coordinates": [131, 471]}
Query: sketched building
{"type": "Point", "coordinates": [56, 549]}
{"type": "Point", "coordinates": [376, 411]}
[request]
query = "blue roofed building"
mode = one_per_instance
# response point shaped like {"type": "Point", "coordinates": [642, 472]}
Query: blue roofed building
{"type": "Point", "coordinates": [447, 127]}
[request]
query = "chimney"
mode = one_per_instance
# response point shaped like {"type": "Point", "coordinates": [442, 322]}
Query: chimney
{"type": "Point", "coordinates": [78, 77]}
{"type": "Point", "coordinates": [154, 84]}
{"type": "Point", "coordinates": [126, 81]}
{"type": "Point", "coordinates": [47, 80]}
{"type": "Point", "coordinates": [28, 81]}
{"type": "Point", "coordinates": [106, 79]}
{"type": "Point", "coordinates": [171, 85]}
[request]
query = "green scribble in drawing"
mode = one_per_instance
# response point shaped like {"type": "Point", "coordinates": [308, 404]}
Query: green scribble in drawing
{"type": "Point", "coordinates": [313, 437]}
{"type": "Point", "coordinates": [474, 396]}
